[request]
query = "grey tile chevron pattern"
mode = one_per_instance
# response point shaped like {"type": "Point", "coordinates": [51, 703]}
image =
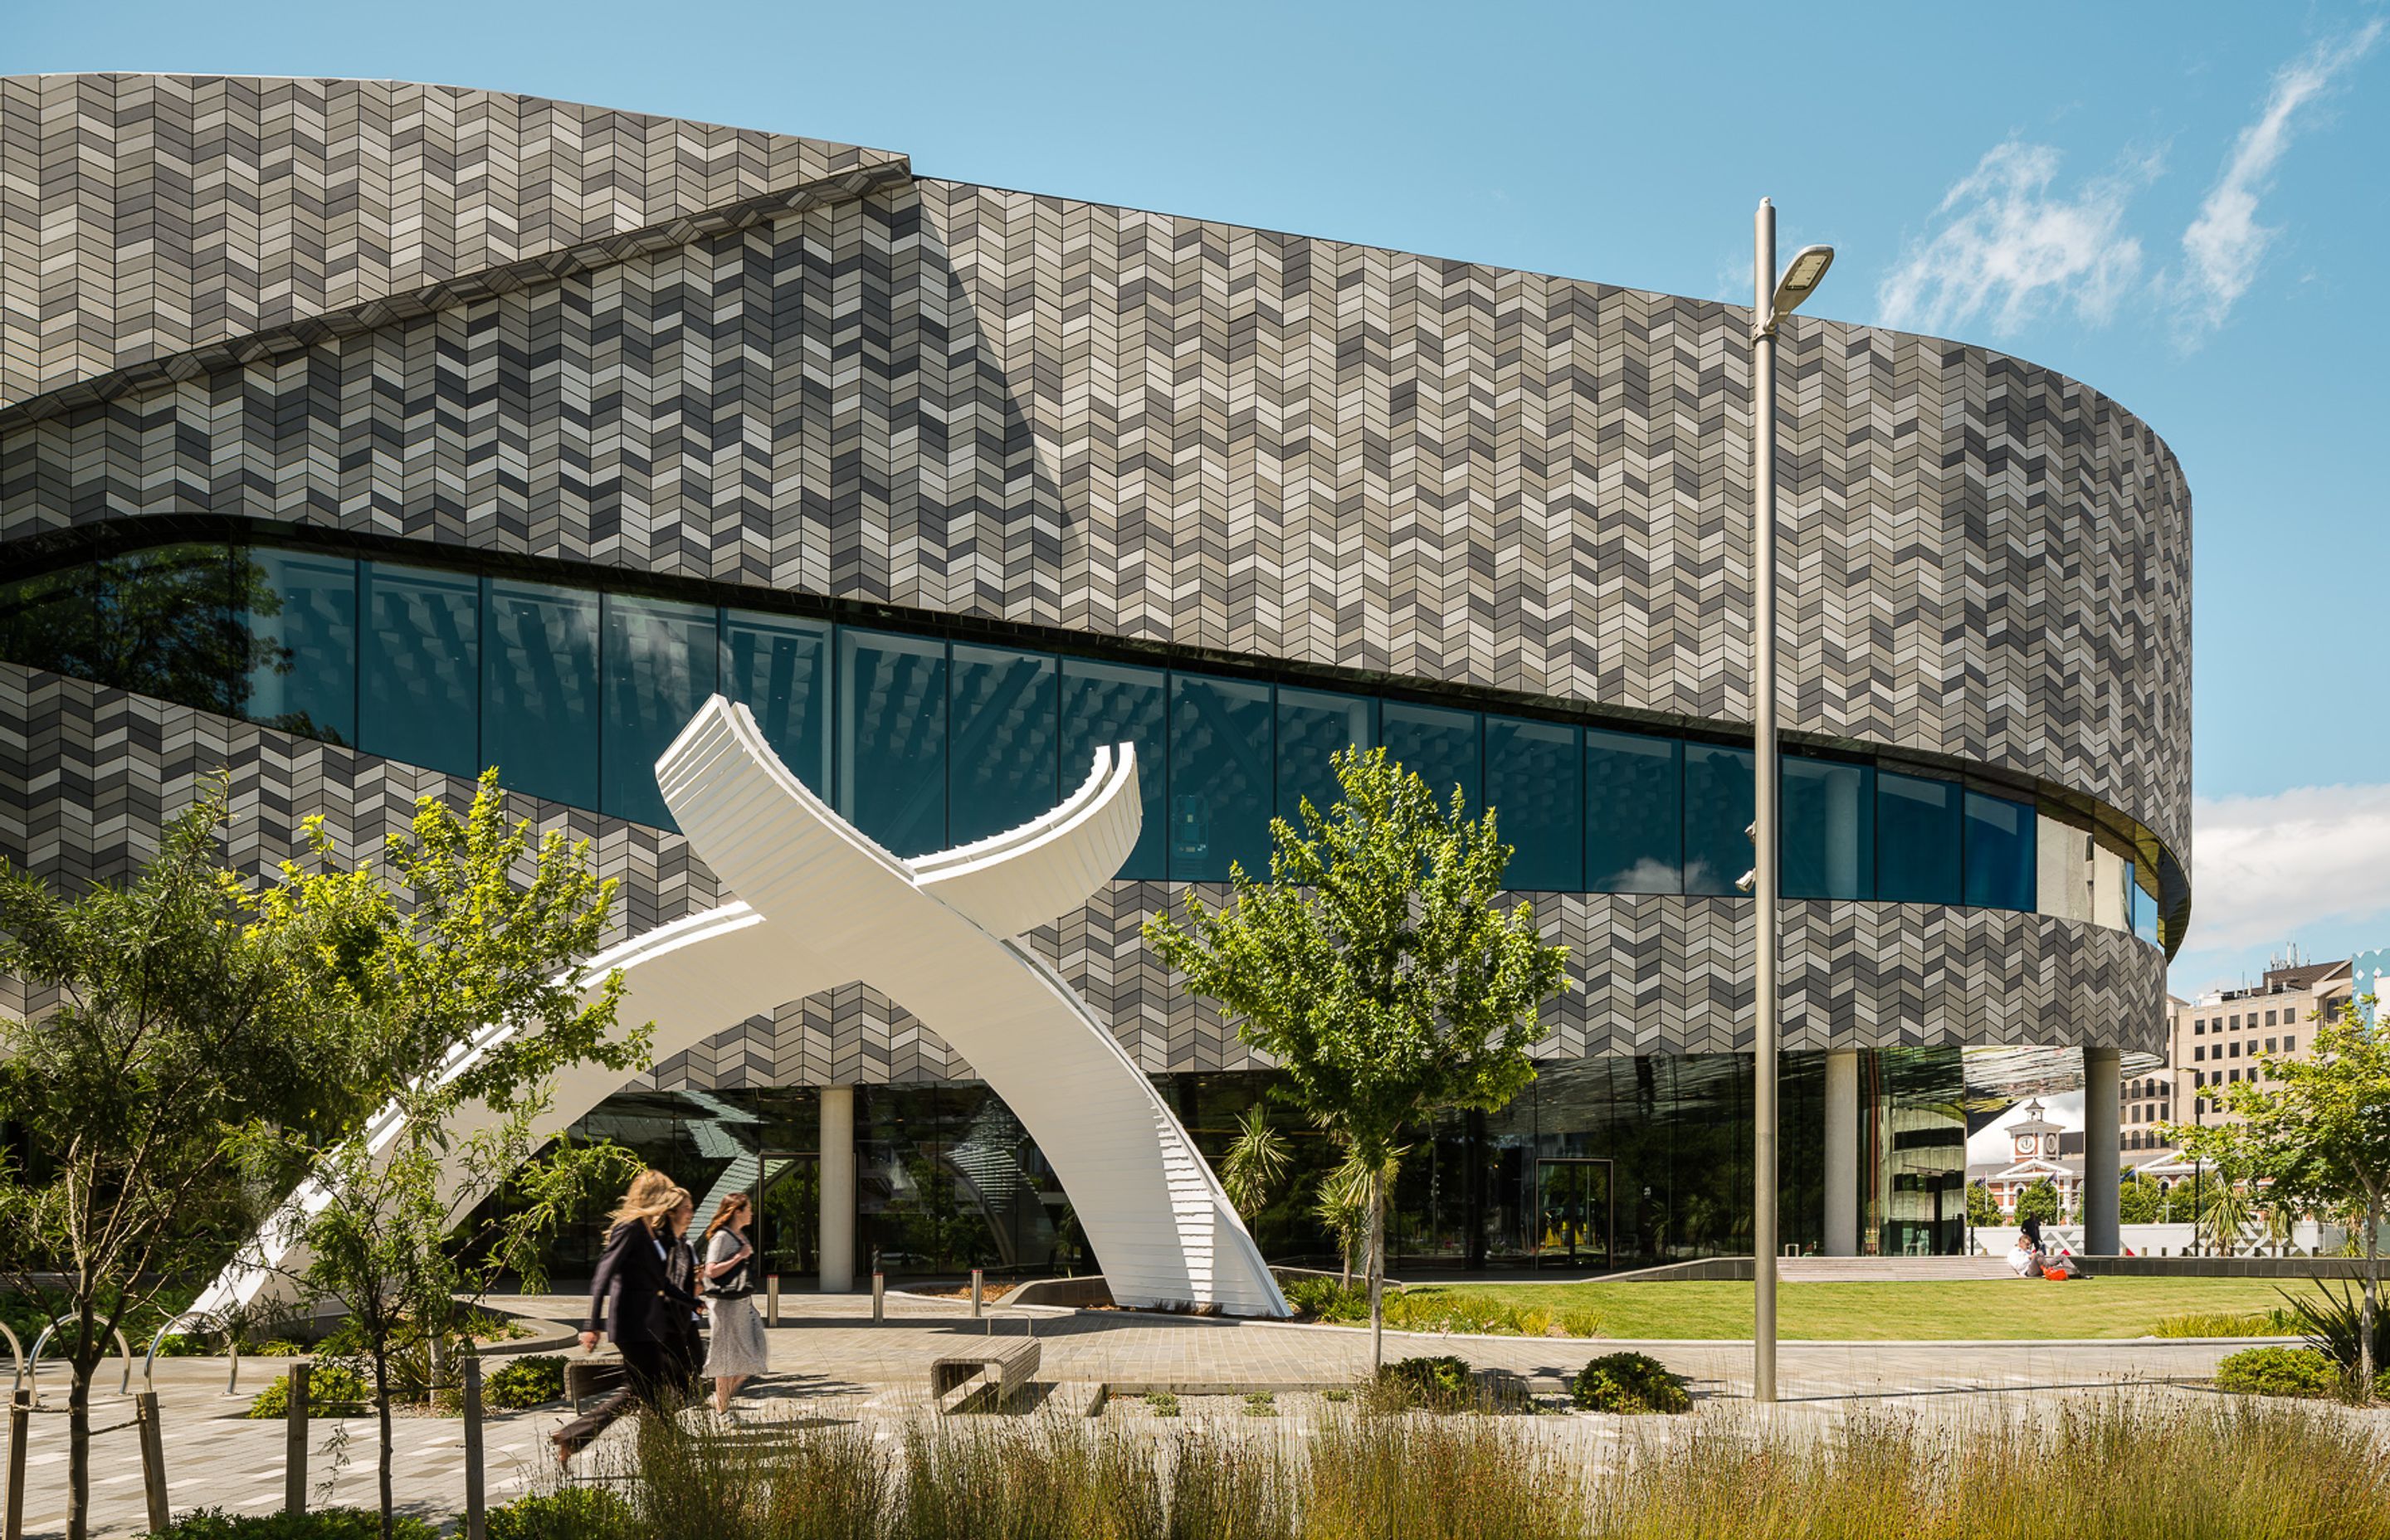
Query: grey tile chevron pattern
{"type": "Point", "coordinates": [487, 320]}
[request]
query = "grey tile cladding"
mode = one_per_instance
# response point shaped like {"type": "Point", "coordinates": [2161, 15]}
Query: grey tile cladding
{"type": "Point", "coordinates": [484, 319]}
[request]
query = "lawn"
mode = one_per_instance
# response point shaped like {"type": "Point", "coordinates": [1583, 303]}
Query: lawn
{"type": "Point", "coordinates": [1894, 1312]}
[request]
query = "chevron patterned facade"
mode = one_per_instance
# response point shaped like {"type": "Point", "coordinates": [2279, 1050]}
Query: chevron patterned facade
{"type": "Point", "coordinates": [478, 320]}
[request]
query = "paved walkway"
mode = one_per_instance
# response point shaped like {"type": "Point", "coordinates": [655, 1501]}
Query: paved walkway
{"type": "Point", "coordinates": [829, 1360]}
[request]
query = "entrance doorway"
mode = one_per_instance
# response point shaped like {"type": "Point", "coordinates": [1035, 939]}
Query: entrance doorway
{"type": "Point", "coordinates": [1573, 1217]}
{"type": "Point", "coordinates": [788, 1211]}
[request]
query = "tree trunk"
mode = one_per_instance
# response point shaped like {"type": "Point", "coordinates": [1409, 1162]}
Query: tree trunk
{"type": "Point", "coordinates": [2365, 1316]}
{"type": "Point", "coordinates": [1376, 1261]}
{"type": "Point", "coordinates": [381, 1407]}
{"type": "Point", "coordinates": [79, 1450]}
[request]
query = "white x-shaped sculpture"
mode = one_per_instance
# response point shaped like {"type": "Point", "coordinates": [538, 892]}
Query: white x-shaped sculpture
{"type": "Point", "coordinates": [821, 905]}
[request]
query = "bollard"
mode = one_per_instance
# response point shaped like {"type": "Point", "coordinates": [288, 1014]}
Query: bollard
{"type": "Point", "coordinates": [153, 1459]}
{"type": "Point", "coordinates": [978, 1297]}
{"type": "Point", "coordinates": [20, 1418]}
{"type": "Point", "coordinates": [473, 1501]}
{"type": "Point", "coordinates": [294, 1436]}
{"type": "Point", "coordinates": [772, 1299]}
{"type": "Point", "coordinates": [879, 1297]}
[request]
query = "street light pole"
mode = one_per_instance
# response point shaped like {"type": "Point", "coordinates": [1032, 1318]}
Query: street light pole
{"type": "Point", "coordinates": [1764, 789]}
{"type": "Point", "coordinates": [1774, 298]}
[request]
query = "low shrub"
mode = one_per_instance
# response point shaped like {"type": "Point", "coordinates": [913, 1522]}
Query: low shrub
{"type": "Point", "coordinates": [1442, 1381]}
{"type": "Point", "coordinates": [1261, 1404]}
{"type": "Point", "coordinates": [1629, 1382]}
{"type": "Point", "coordinates": [2277, 1371]}
{"type": "Point", "coordinates": [1485, 1314]}
{"type": "Point", "coordinates": [1326, 1299]}
{"type": "Point", "coordinates": [328, 1524]}
{"type": "Point", "coordinates": [2269, 1323]}
{"type": "Point", "coordinates": [520, 1382]}
{"type": "Point", "coordinates": [2332, 1321]}
{"type": "Point", "coordinates": [1162, 1404]}
{"type": "Point", "coordinates": [333, 1390]}
{"type": "Point", "coordinates": [573, 1513]}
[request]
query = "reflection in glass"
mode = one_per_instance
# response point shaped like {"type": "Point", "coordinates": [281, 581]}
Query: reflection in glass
{"type": "Point", "coordinates": [778, 669]}
{"type": "Point", "coordinates": [1220, 777]}
{"type": "Point", "coordinates": [421, 668]}
{"type": "Point", "coordinates": [1917, 839]}
{"type": "Point", "coordinates": [1107, 704]}
{"type": "Point", "coordinates": [1634, 820]}
{"type": "Point", "coordinates": [302, 621]}
{"type": "Point", "coordinates": [891, 738]}
{"type": "Point", "coordinates": [2000, 854]}
{"type": "Point", "coordinates": [539, 689]}
{"type": "Point", "coordinates": [660, 666]}
{"type": "Point", "coordinates": [1827, 843]}
{"type": "Point", "coordinates": [1534, 782]}
{"type": "Point", "coordinates": [166, 623]}
{"type": "Point", "coordinates": [1005, 768]}
{"type": "Point", "coordinates": [1439, 744]}
{"type": "Point", "coordinates": [1719, 791]}
{"type": "Point", "coordinates": [1313, 725]}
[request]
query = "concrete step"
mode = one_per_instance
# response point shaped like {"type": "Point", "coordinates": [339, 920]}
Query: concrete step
{"type": "Point", "coordinates": [1890, 1269]}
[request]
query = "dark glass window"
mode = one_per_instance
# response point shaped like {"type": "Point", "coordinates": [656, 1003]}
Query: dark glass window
{"type": "Point", "coordinates": [1438, 744]}
{"type": "Point", "coordinates": [1312, 727]}
{"type": "Point", "coordinates": [1827, 842]}
{"type": "Point", "coordinates": [1221, 777]}
{"type": "Point", "coordinates": [539, 689]}
{"type": "Point", "coordinates": [165, 623]}
{"type": "Point", "coordinates": [778, 669]}
{"type": "Point", "coordinates": [2002, 858]}
{"type": "Point", "coordinates": [1917, 840]}
{"type": "Point", "coordinates": [891, 738]}
{"type": "Point", "coordinates": [1105, 704]}
{"type": "Point", "coordinates": [1634, 813]}
{"type": "Point", "coordinates": [1006, 765]}
{"type": "Point", "coordinates": [302, 626]}
{"type": "Point", "coordinates": [1535, 782]}
{"type": "Point", "coordinates": [660, 662]}
{"type": "Point", "coordinates": [1718, 792]}
{"type": "Point", "coordinates": [422, 685]}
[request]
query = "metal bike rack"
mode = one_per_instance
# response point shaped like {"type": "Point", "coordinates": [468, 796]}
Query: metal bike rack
{"type": "Point", "coordinates": [17, 1353]}
{"type": "Point", "coordinates": [33, 1359]}
{"type": "Point", "coordinates": [220, 1323]}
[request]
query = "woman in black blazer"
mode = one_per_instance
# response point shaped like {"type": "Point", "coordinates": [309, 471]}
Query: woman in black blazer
{"type": "Point", "coordinates": [633, 1299]}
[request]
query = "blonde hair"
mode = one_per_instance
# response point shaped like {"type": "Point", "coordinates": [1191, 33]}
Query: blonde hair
{"type": "Point", "coordinates": [651, 1201]}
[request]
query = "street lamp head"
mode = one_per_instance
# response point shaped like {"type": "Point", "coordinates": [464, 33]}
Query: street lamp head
{"type": "Point", "coordinates": [1802, 275]}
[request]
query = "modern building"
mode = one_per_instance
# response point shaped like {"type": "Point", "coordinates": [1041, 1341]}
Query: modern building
{"type": "Point", "coordinates": [2218, 1040]}
{"type": "Point", "coordinates": [356, 435]}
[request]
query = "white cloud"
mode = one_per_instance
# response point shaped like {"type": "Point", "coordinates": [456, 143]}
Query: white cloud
{"type": "Point", "coordinates": [2009, 245]}
{"type": "Point", "coordinates": [2265, 867]}
{"type": "Point", "coordinates": [2223, 245]}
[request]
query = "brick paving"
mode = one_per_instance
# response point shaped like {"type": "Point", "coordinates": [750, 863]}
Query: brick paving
{"type": "Point", "coordinates": [829, 1361]}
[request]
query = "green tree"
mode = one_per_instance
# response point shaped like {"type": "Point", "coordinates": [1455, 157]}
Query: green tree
{"type": "Point", "coordinates": [1983, 1209]}
{"type": "Point", "coordinates": [2138, 1201]}
{"type": "Point", "coordinates": [1374, 967]}
{"type": "Point", "coordinates": [2317, 1132]}
{"type": "Point", "coordinates": [1254, 1163]}
{"type": "Point", "coordinates": [2038, 1201]}
{"type": "Point", "coordinates": [461, 954]}
{"type": "Point", "coordinates": [169, 1014]}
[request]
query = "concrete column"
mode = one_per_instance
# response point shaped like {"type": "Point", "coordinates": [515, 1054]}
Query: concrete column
{"type": "Point", "coordinates": [838, 1189]}
{"type": "Point", "coordinates": [1842, 1153]}
{"type": "Point", "coordinates": [2103, 1090]}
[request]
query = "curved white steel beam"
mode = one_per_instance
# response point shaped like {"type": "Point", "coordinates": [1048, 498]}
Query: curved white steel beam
{"type": "Point", "coordinates": [820, 906]}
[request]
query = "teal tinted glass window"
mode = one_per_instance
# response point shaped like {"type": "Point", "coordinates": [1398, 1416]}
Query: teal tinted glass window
{"type": "Point", "coordinates": [1534, 783]}
{"type": "Point", "coordinates": [1718, 792]}
{"type": "Point", "coordinates": [1105, 704]}
{"type": "Point", "coordinates": [539, 688]}
{"type": "Point", "coordinates": [891, 738]}
{"type": "Point", "coordinates": [1006, 767]}
{"type": "Point", "coordinates": [2144, 905]}
{"type": "Point", "coordinates": [302, 626]}
{"type": "Point", "coordinates": [1222, 777]}
{"type": "Point", "coordinates": [1634, 813]}
{"type": "Point", "coordinates": [1313, 725]}
{"type": "Point", "coordinates": [2002, 858]}
{"type": "Point", "coordinates": [419, 678]}
{"type": "Point", "coordinates": [659, 660]}
{"type": "Point", "coordinates": [779, 670]}
{"type": "Point", "coordinates": [1827, 843]}
{"type": "Point", "coordinates": [1440, 744]}
{"type": "Point", "coordinates": [1916, 839]}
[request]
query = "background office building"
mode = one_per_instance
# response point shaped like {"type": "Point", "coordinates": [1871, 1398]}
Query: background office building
{"type": "Point", "coordinates": [358, 434]}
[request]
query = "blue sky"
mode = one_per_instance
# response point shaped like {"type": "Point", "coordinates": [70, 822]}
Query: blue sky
{"type": "Point", "coordinates": [2187, 205]}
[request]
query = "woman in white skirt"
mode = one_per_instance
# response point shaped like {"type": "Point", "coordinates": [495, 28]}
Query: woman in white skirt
{"type": "Point", "coordinates": [737, 1350]}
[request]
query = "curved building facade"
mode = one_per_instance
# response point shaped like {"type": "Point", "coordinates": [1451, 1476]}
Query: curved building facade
{"type": "Point", "coordinates": [354, 435]}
